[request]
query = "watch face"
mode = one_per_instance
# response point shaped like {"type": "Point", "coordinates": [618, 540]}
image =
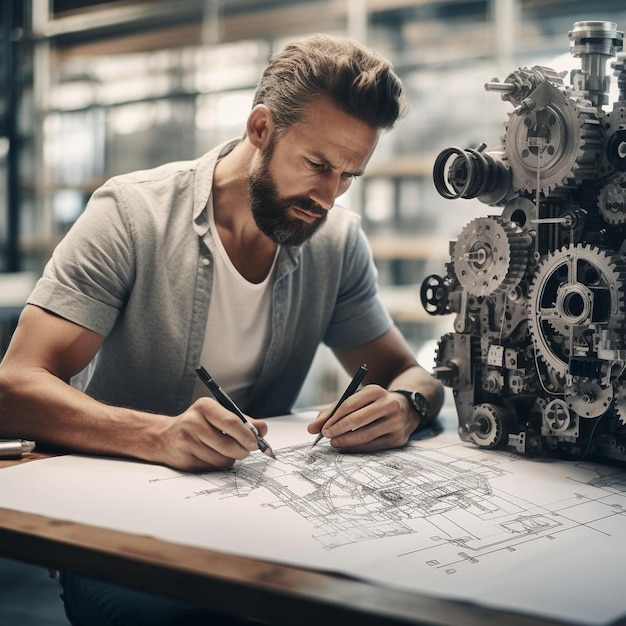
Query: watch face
{"type": "Point", "coordinates": [418, 402]}
{"type": "Point", "coordinates": [421, 405]}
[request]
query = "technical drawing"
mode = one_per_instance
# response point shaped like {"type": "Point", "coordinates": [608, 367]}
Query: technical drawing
{"type": "Point", "coordinates": [453, 503]}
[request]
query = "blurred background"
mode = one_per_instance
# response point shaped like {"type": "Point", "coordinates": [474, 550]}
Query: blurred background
{"type": "Point", "coordinates": [91, 89]}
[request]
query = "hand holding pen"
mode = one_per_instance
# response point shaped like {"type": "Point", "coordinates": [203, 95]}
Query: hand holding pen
{"type": "Point", "coordinates": [222, 397]}
{"type": "Point", "coordinates": [350, 390]}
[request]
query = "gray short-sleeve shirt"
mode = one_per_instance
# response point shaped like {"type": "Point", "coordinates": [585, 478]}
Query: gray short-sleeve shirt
{"type": "Point", "coordinates": [137, 268]}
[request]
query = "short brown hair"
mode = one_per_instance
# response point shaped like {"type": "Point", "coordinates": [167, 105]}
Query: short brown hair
{"type": "Point", "coordinates": [361, 82]}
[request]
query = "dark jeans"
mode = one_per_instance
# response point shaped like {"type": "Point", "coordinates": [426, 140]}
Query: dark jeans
{"type": "Point", "coordinates": [91, 602]}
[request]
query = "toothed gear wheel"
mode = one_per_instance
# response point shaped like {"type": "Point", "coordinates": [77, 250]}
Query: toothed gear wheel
{"type": "Point", "coordinates": [555, 145]}
{"type": "Point", "coordinates": [575, 304]}
{"type": "Point", "coordinates": [620, 403]}
{"type": "Point", "coordinates": [612, 201]}
{"type": "Point", "coordinates": [487, 426]}
{"type": "Point", "coordinates": [490, 256]}
{"type": "Point", "coordinates": [588, 398]}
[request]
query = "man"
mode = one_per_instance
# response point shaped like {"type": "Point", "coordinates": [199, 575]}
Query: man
{"type": "Point", "coordinates": [236, 261]}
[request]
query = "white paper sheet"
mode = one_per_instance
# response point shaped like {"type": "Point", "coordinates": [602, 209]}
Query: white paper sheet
{"type": "Point", "coordinates": [440, 517]}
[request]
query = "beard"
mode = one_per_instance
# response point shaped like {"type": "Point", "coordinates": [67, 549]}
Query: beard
{"type": "Point", "coordinates": [271, 212]}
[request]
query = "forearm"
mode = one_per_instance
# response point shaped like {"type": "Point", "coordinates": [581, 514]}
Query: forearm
{"type": "Point", "coordinates": [35, 404]}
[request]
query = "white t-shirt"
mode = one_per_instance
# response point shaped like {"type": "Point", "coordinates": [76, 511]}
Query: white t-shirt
{"type": "Point", "coordinates": [238, 325]}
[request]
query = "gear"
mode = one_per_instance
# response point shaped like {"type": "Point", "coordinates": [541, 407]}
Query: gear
{"type": "Point", "coordinates": [553, 142]}
{"type": "Point", "coordinates": [588, 398]}
{"type": "Point", "coordinates": [486, 427]}
{"type": "Point", "coordinates": [612, 201]}
{"type": "Point", "coordinates": [619, 397]}
{"type": "Point", "coordinates": [575, 304]}
{"type": "Point", "coordinates": [490, 256]}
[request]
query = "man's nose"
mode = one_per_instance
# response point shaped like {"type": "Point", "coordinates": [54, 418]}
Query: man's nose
{"type": "Point", "coordinates": [327, 191]}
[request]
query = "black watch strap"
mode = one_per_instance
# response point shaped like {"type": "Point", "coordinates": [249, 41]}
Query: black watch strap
{"type": "Point", "coordinates": [420, 404]}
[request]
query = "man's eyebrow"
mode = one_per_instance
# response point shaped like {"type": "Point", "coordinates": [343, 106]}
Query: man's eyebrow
{"type": "Point", "coordinates": [323, 160]}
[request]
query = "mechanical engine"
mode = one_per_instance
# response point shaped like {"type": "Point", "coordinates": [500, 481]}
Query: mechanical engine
{"type": "Point", "coordinates": [537, 359]}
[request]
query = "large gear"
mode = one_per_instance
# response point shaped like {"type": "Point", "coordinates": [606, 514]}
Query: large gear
{"type": "Point", "coordinates": [490, 256]}
{"type": "Point", "coordinates": [554, 142]}
{"type": "Point", "coordinates": [577, 292]}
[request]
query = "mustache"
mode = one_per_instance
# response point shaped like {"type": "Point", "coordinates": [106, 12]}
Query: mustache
{"type": "Point", "coordinates": [306, 204]}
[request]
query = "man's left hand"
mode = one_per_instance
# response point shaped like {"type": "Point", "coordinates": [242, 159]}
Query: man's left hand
{"type": "Point", "coordinates": [371, 419]}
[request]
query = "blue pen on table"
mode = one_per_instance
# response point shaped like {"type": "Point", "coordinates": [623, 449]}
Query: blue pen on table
{"type": "Point", "coordinates": [350, 390]}
{"type": "Point", "coordinates": [222, 397]}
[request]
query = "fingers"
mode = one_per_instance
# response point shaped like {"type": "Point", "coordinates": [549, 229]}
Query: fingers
{"type": "Point", "coordinates": [207, 436]}
{"type": "Point", "coordinates": [326, 419]}
{"type": "Point", "coordinates": [371, 419]}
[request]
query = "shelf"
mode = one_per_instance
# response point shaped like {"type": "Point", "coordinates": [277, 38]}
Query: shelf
{"type": "Point", "coordinates": [419, 248]}
{"type": "Point", "coordinates": [405, 306]}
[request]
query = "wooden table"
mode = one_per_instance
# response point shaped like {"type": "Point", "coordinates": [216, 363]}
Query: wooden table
{"type": "Point", "coordinates": [227, 583]}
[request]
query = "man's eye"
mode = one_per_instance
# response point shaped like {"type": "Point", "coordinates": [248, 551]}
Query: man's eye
{"type": "Point", "coordinates": [314, 165]}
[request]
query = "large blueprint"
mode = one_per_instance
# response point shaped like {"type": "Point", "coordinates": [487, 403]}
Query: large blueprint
{"type": "Point", "coordinates": [439, 516]}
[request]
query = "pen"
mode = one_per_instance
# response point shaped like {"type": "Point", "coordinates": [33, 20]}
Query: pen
{"type": "Point", "coordinates": [350, 389]}
{"type": "Point", "coordinates": [222, 397]}
{"type": "Point", "coordinates": [15, 448]}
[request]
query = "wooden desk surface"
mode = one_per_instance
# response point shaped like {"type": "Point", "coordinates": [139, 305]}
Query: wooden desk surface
{"type": "Point", "coordinates": [228, 583]}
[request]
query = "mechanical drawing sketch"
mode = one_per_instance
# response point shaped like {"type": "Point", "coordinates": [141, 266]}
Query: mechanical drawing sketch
{"type": "Point", "coordinates": [439, 517]}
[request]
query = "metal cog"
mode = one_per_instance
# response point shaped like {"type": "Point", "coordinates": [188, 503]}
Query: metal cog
{"type": "Point", "coordinates": [576, 306]}
{"type": "Point", "coordinates": [553, 136]}
{"type": "Point", "coordinates": [490, 256]}
{"type": "Point", "coordinates": [588, 398]}
{"type": "Point", "coordinates": [612, 201]}
{"type": "Point", "coordinates": [619, 398]}
{"type": "Point", "coordinates": [486, 427]}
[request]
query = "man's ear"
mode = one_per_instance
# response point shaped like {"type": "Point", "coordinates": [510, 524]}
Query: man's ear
{"type": "Point", "coordinates": [259, 126]}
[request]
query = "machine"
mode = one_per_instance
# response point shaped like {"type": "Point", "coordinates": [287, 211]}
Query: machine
{"type": "Point", "coordinates": [537, 358]}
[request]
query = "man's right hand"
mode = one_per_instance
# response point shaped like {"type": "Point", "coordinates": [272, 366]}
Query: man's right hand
{"type": "Point", "coordinates": [207, 437]}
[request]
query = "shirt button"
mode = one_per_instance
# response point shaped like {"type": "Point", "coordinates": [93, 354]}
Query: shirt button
{"type": "Point", "coordinates": [206, 261]}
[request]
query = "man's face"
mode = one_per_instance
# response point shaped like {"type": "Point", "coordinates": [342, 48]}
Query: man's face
{"type": "Point", "coordinates": [271, 212]}
{"type": "Point", "coordinates": [304, 169]}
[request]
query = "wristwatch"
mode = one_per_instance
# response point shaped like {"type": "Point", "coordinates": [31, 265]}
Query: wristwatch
{"type": "Point", "coordinates": [419, 403]}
